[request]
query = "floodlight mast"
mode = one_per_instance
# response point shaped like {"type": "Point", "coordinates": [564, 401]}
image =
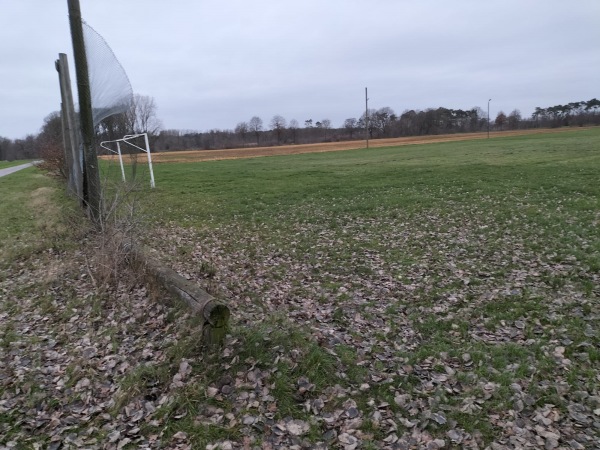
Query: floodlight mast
{"type": "Point", "coordinates": [488, 121]}
{"type": "Point", "coordinates": [367, 116]}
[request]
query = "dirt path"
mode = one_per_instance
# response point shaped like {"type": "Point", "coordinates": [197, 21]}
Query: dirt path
{"type": "Point", "coordinates": [254, 152]}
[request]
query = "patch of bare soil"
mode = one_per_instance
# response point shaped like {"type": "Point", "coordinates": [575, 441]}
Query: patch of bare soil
{"type": "Point", "coordinates": [255, 152]}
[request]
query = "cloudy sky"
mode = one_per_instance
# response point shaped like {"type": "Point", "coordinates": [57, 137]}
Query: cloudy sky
{"type": "Point", "coordinates": [213, 63]}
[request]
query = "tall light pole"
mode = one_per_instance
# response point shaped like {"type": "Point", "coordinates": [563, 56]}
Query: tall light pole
{"type": "Point", "coordinates": [367, 116]}
{"type": "Point", "coordinates": [489, 117]}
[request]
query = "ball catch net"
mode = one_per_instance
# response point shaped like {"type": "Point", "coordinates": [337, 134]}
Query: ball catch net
{"type": "Point", "coordinates": [110, 88]}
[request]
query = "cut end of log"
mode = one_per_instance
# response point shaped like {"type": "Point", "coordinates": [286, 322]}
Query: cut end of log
{"type": "Point", "coordinates": [216, 314]}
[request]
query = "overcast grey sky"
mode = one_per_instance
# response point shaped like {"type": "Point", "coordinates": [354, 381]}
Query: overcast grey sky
{"type": "Point", "coordinates": [214, 63]}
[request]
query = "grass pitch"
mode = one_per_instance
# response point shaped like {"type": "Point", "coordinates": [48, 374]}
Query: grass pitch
{"type": "Point", "coordinates": [449, 288]}
{"type": "Point", "coordinates": [431, 296]}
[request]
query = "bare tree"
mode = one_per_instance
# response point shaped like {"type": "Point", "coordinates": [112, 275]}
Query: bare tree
{"type": "Point", "coordinates": [255, 126]}
{"type": "Point", "coordinates": [25, 148]}
{"type": "Point", "coordinates": [9, 150]}
{"type": "Point", "coordinates": [366, 119]}
{"type": "Point", "coordinates": [141, 117]}
{"type": "Point", "coordinates": [478, 119]}
{"type": "Point", "coordinates": [514, 118]}
{"type": "Point", "coordinates": [500, 119]}
{"type": "Point", "coordinates": [381, 120]}
{"type": "Point", "coordinates": [278, 125]}
{"type": "Point", "coordinates": [325, 125]}
{"type": "Point", "coordinates": [350, 125]}
{"type": "Point", "coordinates": [242, 129]}
{"type": "Point", "coordinates": [114, 127]}
{"type": "Point", "coordinates": [293, 127]}
{"type": "Point", "coordinates": [5, 145]}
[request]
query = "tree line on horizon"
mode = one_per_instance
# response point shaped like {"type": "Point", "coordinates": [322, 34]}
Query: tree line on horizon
{"type": "Point", "coordinates": [380, 123]}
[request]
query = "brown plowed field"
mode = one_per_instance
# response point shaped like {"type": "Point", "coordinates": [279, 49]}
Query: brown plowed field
{"type": "Point", "coordinates": [254, 152]}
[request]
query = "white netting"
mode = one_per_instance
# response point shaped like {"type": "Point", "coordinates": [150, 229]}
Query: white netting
{"type": "Point", "coordinates": [109, 85]}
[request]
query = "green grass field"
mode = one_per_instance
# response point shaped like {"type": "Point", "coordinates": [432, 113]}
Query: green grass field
{"type": "Point", "coordinates": [426, 296]}
{"type": "Point", "coordinates": [406, 178]}
{"type": "Point", "coordinates": [453, 278]}
{"type": "Point", "coordinates": [28, 212]}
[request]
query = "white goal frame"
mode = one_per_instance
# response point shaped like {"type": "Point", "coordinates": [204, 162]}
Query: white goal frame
{"type": "Point", "coordinates": [126, 140]}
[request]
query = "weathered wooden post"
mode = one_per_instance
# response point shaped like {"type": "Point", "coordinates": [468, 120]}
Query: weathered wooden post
{"type": "Point", "coordinates": [92, 194]}
{"type": "Point", "coordinates": [70, 131]}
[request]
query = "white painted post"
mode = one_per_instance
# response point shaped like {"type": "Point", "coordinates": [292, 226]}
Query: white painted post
{"type": "Point", "coordinates": [121, 160]}
{"type": "Point", "coordinates": [152, 185]}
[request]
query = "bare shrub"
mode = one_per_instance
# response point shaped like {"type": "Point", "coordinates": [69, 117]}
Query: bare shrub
{"type": "Point", "coordinates": [120, 227]}
{"type": "Point", "coordinates": [51, 147]}
{"type": "Point", "coordinates": [53, 160]}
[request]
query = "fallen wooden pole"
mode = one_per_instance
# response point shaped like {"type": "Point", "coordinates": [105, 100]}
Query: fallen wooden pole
{"type": "Point", "coordinates": [215, 314]}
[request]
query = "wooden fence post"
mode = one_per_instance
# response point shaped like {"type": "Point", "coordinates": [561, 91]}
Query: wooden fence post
{"type": "Point", "coordinates": [70, 130]}
{"type": "Point", "coordinates": [92, 194]}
